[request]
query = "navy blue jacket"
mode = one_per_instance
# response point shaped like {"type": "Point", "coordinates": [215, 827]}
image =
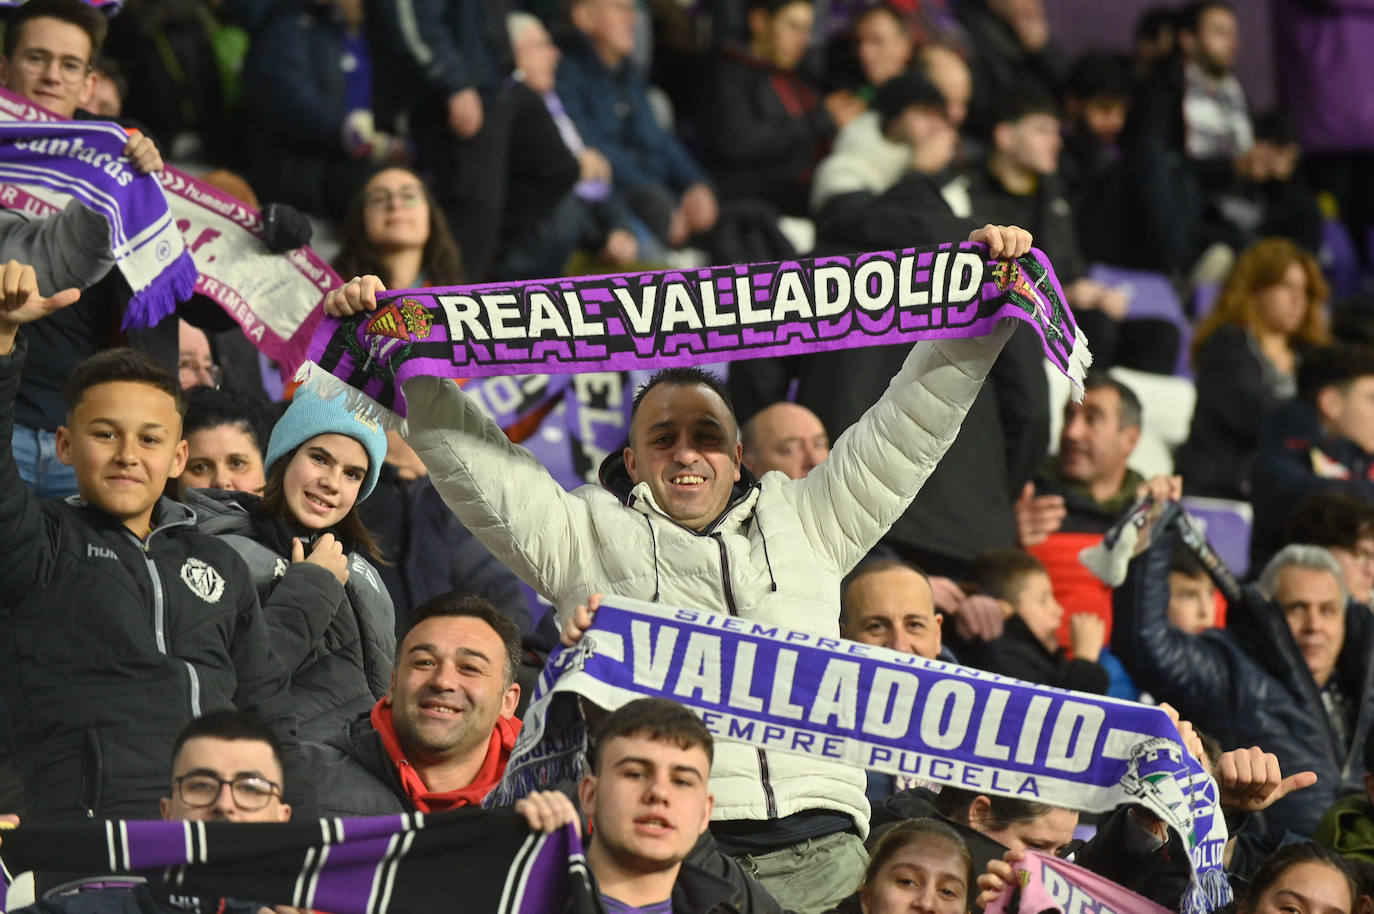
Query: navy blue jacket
{"type": "Point", "coordinates": [109, 646]}
{"type": "Point", "coordinates": [431, 553]}
{"type": "Point", "coordinates": [1247, 684]}
{"type": "Point", "coordinates": [446, 45]}
{"type": "Point", "coordinates": [611, 111]}
{"type": "Point", "coordinates": [1292, 444]}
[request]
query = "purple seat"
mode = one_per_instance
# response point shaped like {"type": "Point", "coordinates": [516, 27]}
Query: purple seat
{"type": "Point", "coordinates": [1227, 525]}
{"type": "Point", "coordinates": [1152, 296]}
{"type": "Point", "coordinates": [1205, 299]}
{"type": "Point", "coordinates": [1340, 259]}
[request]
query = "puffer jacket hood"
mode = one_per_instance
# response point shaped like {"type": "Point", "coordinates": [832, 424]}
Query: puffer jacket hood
{"type": "Point", "coordinates": [614, 477]}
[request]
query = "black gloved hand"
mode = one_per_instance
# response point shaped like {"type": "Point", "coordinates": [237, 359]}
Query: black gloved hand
{"type": "Point", "coordinates": [284, 228]}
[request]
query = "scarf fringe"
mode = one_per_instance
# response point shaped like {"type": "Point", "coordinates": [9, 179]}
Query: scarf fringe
{"type": "Point", "coordinates": [329, 387]}
{"type": "Point", "coordinates": [176, 283]}
{"type": "Point", "coordinates": [1080, 360]}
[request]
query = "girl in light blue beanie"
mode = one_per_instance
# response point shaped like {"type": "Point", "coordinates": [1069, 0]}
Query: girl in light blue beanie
{"type": "Point", "coordinates": [330, 616]}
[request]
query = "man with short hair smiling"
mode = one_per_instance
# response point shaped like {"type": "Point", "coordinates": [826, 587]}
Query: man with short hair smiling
{"type": "Point", "coordinates": [679, 520]}
{"type": "Point", "coordinates": [1290, 670]}
{"type": "Point", "coordinates": [441, 736]}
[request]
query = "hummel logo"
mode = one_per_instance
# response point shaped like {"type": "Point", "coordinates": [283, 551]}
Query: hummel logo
{"type": "Point", "coordinates": [100, 552]}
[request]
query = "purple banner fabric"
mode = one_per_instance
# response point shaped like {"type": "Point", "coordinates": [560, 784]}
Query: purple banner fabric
{"type": "Point", "coordinates": [404, 864]}
{"type": "Point", "coordinates": [108, 7]}
{"type": "Point", "coordinates": [85, 160]}
{"type": "Point", "coordinates": [1047, 885]}
{"type": "Point", "coordinates": [651, 320]}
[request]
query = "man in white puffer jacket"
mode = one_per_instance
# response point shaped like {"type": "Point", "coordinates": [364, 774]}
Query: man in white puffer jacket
{"type": "Point", "coordinates": [678, 520]}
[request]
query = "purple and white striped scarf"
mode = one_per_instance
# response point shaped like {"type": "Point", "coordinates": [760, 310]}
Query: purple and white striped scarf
{"type": "Point", "coordinates": [275, 298]}
{"type": "Point", "coordinates": [413, 863]}
{"type": "Point", "coordinates": [883, 710]}
{"type": "Point", "coordinates": [85, 161]}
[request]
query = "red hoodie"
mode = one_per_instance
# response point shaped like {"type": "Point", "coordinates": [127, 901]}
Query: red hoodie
{"type": "Point", "coordinates": [493, 766]}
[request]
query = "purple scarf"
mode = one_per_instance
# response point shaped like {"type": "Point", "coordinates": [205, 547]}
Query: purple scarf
{"type": "Point", "coordinates": [687, 317]}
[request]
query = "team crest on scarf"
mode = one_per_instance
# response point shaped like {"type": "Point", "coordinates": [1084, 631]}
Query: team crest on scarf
{"type": "Point", "coordinates": [405, 322]}
{"type": "Point", "coordinates": [1157, 770]}
{"type": "Point", "coordinates": [1016, 280]}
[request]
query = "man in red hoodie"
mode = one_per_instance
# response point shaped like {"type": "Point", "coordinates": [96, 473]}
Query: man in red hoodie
{"type": "Point", "coordinates": [440, 738]}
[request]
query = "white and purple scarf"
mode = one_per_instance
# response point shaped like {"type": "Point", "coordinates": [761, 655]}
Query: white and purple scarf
{"type": "Point", "coordinates": [275, 298]}
{"type": "Point", "coordinates": [85, 161]}
{"type": "Point", "coordinates": [842, 701]}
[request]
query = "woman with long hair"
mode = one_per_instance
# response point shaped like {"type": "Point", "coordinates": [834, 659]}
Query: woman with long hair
{"type": "Point", "coordinates": [331, 618]}
{"type": "Point", "coordinates": [394, 229]}
{"type": "Point", "coordinates": [1245, 358]}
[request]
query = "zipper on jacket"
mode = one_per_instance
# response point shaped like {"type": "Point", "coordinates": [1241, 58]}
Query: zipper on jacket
{"type": "Point", "coordinates": [160, 624]}
{"type": "Point", "coordinates": [159, 610]}
{"type": "Point", "coordinates": [770, 799]}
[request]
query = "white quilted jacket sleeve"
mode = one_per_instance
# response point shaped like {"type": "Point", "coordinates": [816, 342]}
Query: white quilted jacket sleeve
{"type": "Point", "coordinates": [498, 489]}
{"type": "Point", "coordinates": [879, 464]}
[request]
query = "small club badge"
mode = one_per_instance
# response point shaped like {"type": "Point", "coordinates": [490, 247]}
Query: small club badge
{"type": "Point", "coordinates": [203, 580]}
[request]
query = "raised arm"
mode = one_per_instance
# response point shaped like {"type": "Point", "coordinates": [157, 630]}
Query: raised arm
{"type": "Point", "coordinates": [879, 464]}
{"type": "Point", "coordinates": [497, 489]}
{"type": "Point", "coordinates": [1191, 672]}
{"type": "Point", "coordinates": [28, 552]}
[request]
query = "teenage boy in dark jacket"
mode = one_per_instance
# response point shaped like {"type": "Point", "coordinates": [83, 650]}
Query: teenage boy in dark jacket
{"type": "Point", "coordinates": [118, 622]}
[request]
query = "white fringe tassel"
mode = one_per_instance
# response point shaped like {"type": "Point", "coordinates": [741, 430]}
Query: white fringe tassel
{"type": "Point", "coordinates": [327, 387]}
{"type": "Point", "coordinates": [1080, 360]}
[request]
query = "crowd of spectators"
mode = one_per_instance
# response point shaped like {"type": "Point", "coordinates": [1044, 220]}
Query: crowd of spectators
{"type": "Point", "coordinates": [362, 615]}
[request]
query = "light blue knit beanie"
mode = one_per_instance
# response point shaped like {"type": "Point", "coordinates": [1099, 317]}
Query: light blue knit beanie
{"type": "Point", "coordinates": [310, 414]}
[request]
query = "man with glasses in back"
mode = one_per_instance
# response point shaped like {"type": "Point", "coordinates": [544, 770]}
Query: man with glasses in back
{"type": "Point", "coordinates": [49, 50]}
{"type": "Point", "coordinates": [226, 767]}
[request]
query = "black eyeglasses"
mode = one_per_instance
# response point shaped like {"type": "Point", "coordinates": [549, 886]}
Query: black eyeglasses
{"type": "Point", "coordinates": [249, 791]}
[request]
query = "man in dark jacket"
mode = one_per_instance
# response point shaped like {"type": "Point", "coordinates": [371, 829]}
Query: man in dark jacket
{"type": "Point", "coordinates": [1080, 492]}
{"type": "Point", "coordinates": [607, 98]}
{"type": "Point", "coordinates": [1012, 49]}
{"type": "Point", "coordinates": [500, 166]}
{"type": "Point", "coordinates": [647, 801]}
{"type": "Point", "coordinates": [1020, 181]}
{"type": "Point", "coordinates": [313, 138]}
{"type": "Point", "coordinates": [1186, 136]}
{"type": "Point", "coordinates": [1290, 672]}
{"type": "Point", "coordinates": [120, 621]}
{"type": "Point", "coordinates": [1320, 440]}
{"type": "Point", "coordinates": [764, 127]}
